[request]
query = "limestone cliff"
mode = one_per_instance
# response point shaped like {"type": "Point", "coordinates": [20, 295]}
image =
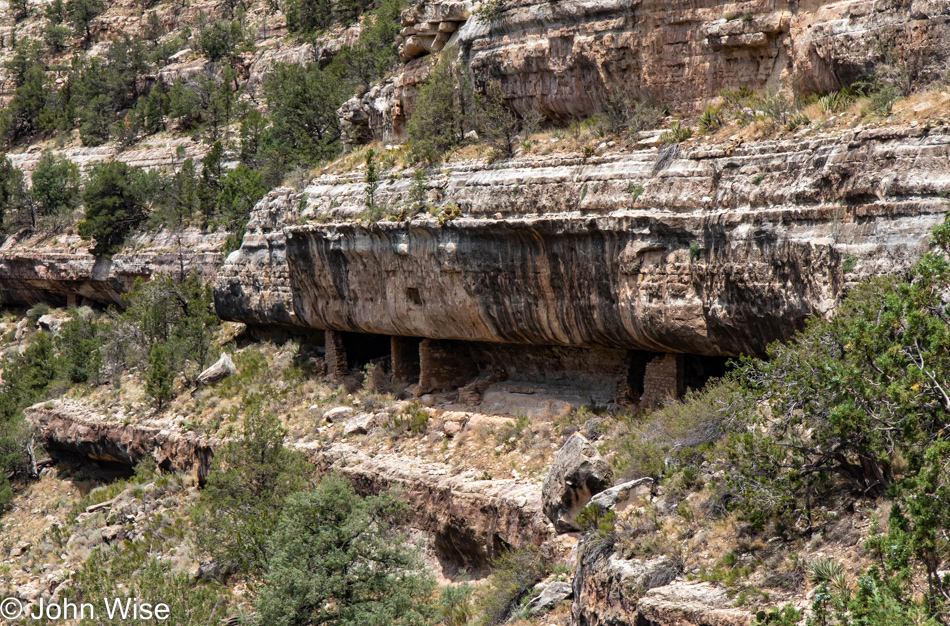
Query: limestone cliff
{"type": "Point", "coordinates": [564, 58]}
{"type": "Point", "coordinates": [711, 250]}
{"type": "Point", "coordinates": [44, 267]}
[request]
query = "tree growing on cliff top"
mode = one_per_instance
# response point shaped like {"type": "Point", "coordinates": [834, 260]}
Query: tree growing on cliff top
{"type": "Point", "coordinates": [115, 200]}
{"type": "Point", "coordinates": [56, 189]}
{"type": "Point", "coordinates": [441, 117]}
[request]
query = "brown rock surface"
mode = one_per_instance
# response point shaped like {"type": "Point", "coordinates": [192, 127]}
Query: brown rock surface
{"type": "Point", "coordinates": [563, 58]}
{"type": "Point", "coordinates": [470, 520]}
{"type": "Point", "coordinates": [726, 249]}
{"type": "Point", "coordinates": [60, 270]}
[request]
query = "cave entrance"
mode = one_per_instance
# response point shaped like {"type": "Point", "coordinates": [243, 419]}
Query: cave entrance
{"type": "Point", "coordinates": [636, 373]}
{"type": "Point", "coordinates": [362, 349]}
{"type": "Point", "coordinates": [700, 369]}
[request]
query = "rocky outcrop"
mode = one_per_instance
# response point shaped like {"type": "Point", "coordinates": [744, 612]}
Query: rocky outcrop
{"type": "Point", "coordinates": [612, 591]}
{"type": "Point", "coordinates": [469, 520]}
{"type": "Point", "coordinates": [167, 154]}
{"type": "Point", "coordinates": [254, 283]}
{"type": "Point", "coordinates": [59, 269]}
{"type": "Point", "coordinates": [714, 250]}
{"type": "Point", "coordinates": [75, 428]}
{"type": "Point", "coordinates": [564, 59]}
{"type": "Point", "coordinates": [689, 604]}
{"type": "Point", "coordinates": [221, 369]}
{"type": "Point", "coordinates": [577, 473]}
{"type": "Point", "coordinates": [607, 588]}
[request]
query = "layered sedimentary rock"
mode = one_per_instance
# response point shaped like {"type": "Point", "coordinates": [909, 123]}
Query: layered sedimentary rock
{"type": "Point", "coordinates": [59, 269]}
{"type": "Point", "coordinates": [254, 283]}
{"type": "Point", "coordinates": [711, 250]}
{"type": "Point", "coordinates": [564, 59]}
{"type": "Point", "coordinates": [75, 428]}
{"type": "Point", "coordinates": [469, 520]}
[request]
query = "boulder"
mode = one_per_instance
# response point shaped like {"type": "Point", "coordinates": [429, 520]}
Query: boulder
{"type": "Point", "coordinates": [608, 587]}
{"type": "Point", "coordinates": [113, 533]}
{"type": "Point", "coordinates": [690, 604]}
{"type": "Point", "coordinates": [223, 368]}
{"type": "Point", "coordinates": [338, 414]}
{"type": "Point", "coordinates": [21, 328]}
{"type": "Point", "coordinates": [576, 475]}
{"type": "Point", "coordinates": [633, 494]}
{"type": "Point", "coordinates": [51, 323]}
{"type": "Point", "coordinates": [552, 595]}
{"type": "Point", "coordinates": [358, 425]}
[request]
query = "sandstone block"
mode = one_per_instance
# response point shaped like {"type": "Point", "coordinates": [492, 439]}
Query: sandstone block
{"type": "Point", "coordinates": [633, 494]}
{"type": "Point", "coordinates": [577, 474]}
{"type": "Point", "coordinates": [338, 414]}
{"type": "Point", "coordinates": [358, 425]}
{"type": "Point", "coordinates": [223, 368]}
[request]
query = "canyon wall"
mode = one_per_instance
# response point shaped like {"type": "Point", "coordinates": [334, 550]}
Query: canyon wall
{"type": "Point", "coordinates": [711, 251]}
{"type": "Point", "coordinates": [59, 270]}
{"type": "Point", "coordinates": [564, 59]}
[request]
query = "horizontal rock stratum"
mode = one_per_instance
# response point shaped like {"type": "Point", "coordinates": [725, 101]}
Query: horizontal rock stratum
{"type": "Point", "coordinates": [712, 251]}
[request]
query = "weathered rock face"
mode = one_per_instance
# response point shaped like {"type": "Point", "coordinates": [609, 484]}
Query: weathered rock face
{"type": "Point", "coordinates": [470, 520]}
{"type": "Point", "coordinates": [577, 473]}
{"type": "Point", "coordinates": [612, 591]}
{"type": "Point", "coordinates": [73, 427]}
{"type": "Point", "coordinates": [169, 154]}
{"type": "Point", "coordinates": [564, 58]}
{"type": "Point", "coordinates": [607, 587]}
{"type": "Point", "coordinates": [715, 251]}
{"type": "Point", "coordinates": [221, 369]}
{"type": "Point", "coordinates": [689, 604]}
{"type": "Point", "coordinates": [60, 270]}
{"type": "Point", "coordinates": [254, 283]}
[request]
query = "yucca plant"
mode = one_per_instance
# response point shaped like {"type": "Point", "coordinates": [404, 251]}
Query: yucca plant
{"type": "Point", "coordinates": [830, 572]}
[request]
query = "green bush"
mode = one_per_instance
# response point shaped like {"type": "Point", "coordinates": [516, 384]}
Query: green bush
{"type": "Point", "coordinates": [81, 13]}
{"type": "Point", "coordinates": [160, 377]}
{"type": "Point", "coordinates": [497, 123]}
{"type": "Point", "coordinates": [13, 196]}
{"type": "Point", "coordinates": [128, 570]}
{"type": "Point", "coordinates": [246, 490]}
{"type": "Point", "coordinates": [241, 190]}
{"type": "Point", "coordinates": [220, 39]}
{"type": "Point", "coordinates": [338, 559]}
{"type": "Point", "coordinates": [849, 398]}
{"type": "Point", "coordinates": [304, 102]}
{"type": "Point", "coordinates": [178, 312]}
{"type": "Point", "coordinates": [514, 574]}
{"type": "Point", "coordinates": [79, 342]}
